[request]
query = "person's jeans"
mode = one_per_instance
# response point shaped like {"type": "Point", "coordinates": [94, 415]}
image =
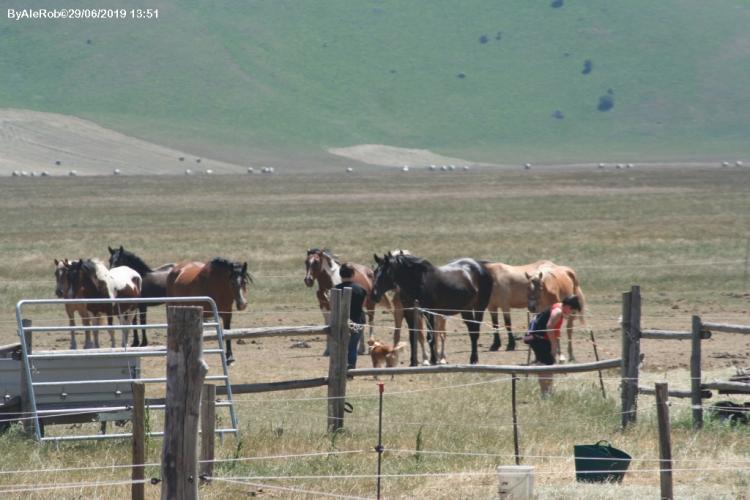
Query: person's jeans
{"type": "Point", "coordinates": [354, 335]}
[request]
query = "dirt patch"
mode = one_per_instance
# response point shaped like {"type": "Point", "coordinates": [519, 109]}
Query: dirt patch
{"type": "Point", "coordinates": [33, 141]}
{"type": "Point", "coordinates": [391, 156]}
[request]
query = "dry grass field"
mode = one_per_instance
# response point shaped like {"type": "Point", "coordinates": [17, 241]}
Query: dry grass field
{"type": "Point", "coordinates": [681, 234]}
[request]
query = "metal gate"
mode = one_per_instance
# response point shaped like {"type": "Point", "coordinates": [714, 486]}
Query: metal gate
{"type": "Point", "coordinates": [84, 377]}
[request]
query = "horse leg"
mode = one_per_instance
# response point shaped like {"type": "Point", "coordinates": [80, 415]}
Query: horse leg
{"type": "Point", "coordinates": [430, 322]}
{"type": "Point", "coordinates": [142, 314]}
{"type": "Point", "coordinates": [398, 319]}
{"type": "Point", "coordinates": [227, 322]}
{"type": "Point", "coordinates": [362, 349]}
{"type": "Point", "coordinates": [496, 343]}
{"type": "Point", "coordinates": [326, 321]}
{"type": "Point", "coordinates": [439, 335]}
{"type": "Point", "coordinates": [422, 341]}
{"type": "Point", "coordinates": [87, 321]}
{"type": "Point", "coordinates": [473, 327]}
{"type": "Point", "coordinates": [412, 340]}
{"type": "Point", "coordinates": [72, 323]}
{"type": "Point", "coordinates": [511, 339]}
{"type": "Point", "coordinates": [110, 322]}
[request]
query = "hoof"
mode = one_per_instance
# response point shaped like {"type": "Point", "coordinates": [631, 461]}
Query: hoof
{"type": "Point", "coordinates": [134, 344]}
{"type": "Point", "coordinates": [496, 347]}
{"type": "Point", "coordinates": [144, 344]}
{"type": "Point", "coordinates": [510, 347]}
{"type": "Point", "coordinates": [426, 363]}
{"type": "Point", "coordinates": [230, 360]}
{"type": "Point", "coordinates": [474, 360]}
{"type": "Point", "coordinates": [443, 362]}
{"type": "Point", "coordinates": [413, 363]}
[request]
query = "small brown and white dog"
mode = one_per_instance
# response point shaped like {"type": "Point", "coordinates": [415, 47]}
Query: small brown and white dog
{"type": "Point", "coordinates": [384, 354]}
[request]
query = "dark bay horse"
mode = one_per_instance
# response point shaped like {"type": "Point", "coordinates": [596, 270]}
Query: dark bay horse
{"type": "Point", "coordinates": [551, 283]}
{"type": "Point", "coordinates": [322, 266]}
{"type": "Point", "coordinates": [154, 283]}
{"type": "Point", "coordinates": [223, 280]}
{"type": "Point", "coordinates": [90, 279]}
{"type": "Point", "coordinates": [463, 285]}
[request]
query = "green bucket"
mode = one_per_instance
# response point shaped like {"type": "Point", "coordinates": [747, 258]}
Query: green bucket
{"type": "Point", "coordinates": [600, 463]}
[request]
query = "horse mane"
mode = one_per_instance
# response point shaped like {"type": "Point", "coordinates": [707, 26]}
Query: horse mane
{"type": "Point", "coordinates": [230, 266]}
{"type": "Point", "coordinates": [327, 252]}
{"type": "Point", "coordinates": [136, 261]}
{"type": "Point", "coordinates": [412, 261]}
{"type": "Point", "coordinates": [96, 270]}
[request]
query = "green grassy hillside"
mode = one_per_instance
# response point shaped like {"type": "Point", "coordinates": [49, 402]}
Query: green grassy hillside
{"type": "Point", "coordinates": [475, 78]}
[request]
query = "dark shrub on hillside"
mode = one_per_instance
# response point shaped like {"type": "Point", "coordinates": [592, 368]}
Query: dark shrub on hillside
{"type": "Point", "coordinates": [461, 75]}
{"type": "Point", "coordinates": [556, 4]}
{"type": "Point", "coordinates": [588, 65]}
{"type": "Point", "coordinates": [558, 114]}
{"type": "Point", "coordinates": [484, 39]}
{"type": "Point", "coordinates": [499, 35]}
{"type": "Point", "coordinates": [606, 102]}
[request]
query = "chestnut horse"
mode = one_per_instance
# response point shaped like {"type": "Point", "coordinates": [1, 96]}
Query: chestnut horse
{"type": "Point", "coordinates": [322, 266]}
{"type": "Point", "coordinates": [154, 283]}
{"type": "Point", "coordinates": [223, 280]}
{"type": "Point", "coordinates": [550, 284]}
{"type": "Point", "coordinates": [64, 290]}
{"type": "Point", "coordinates": [90, 279]}
{"type": "Point", "coordinates": [510, 289]}
{"type": "Point", "coordinates": [463, 285]}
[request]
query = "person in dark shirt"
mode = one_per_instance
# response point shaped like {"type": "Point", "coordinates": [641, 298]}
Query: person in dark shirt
{"type": "Point", "coordinates": [356, 312]}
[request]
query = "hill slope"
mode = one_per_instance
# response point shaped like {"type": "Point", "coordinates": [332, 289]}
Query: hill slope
{"type": "Point", "coordinates": [482, 80]}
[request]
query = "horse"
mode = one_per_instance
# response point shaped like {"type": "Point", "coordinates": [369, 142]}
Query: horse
{"type": "Point", "coordinates": [463, 285]}
{"type": "Point", "coordinates": [398, 314]}
{"type": "Point", "coordinates": [223, 280]}
{"type": "Point", "coordinates": [64, 290]}
{"type": "Point", "coordinates": [550, 284]}
{"type": "Point", "coordinates": [90, 279]}
{"type": "Point", "coordinates": [154, 283]}
{"type": "Point", "coordinates": [322, 266]}
{"type": "Point", "coordinates": [510, 289]}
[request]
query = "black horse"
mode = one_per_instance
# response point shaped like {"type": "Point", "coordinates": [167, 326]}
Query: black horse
{"type": "Point", "coordinates": [462, 286]}
{"type": "Point", "coordinates": [154, 283]}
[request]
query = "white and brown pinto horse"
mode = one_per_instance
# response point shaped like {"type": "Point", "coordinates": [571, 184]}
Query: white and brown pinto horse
{"type": "Point", "coordinates": [90, 279]}
{"type": "Point", "coordinates": [64, 290]}
{"type": "Point", "coordinates": [322, 266]}
{"type": "Point", "coordinates": [510, 289]}
{"type": "Point", "coordinates": [551, 283]}
{"type": "Point", "coordinates": [223, 280]}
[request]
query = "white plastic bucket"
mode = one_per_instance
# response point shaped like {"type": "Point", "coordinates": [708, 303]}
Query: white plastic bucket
{"type": "Point", "coordinates": [516, 482]}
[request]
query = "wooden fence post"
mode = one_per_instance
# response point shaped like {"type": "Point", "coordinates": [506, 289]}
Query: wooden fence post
{"type": "Point", "coordinates": [695, 374]}
{"type": "Point", "coordinates": [337, 362]}
{"type": "Point", "coordinates": [186, 372]}
{"type": "Point", "coordinates": [208, 430]}
{"type": "Point", "coordinates": [665, 440]}
{"type": "Point", "coordinates": [138, 490]}
{"type": "Point", "coordinates": [634, 353]}
{"type": "Point", "coordinates": [624, 369]}
{"type": "Point", "coordinates": [631, 353]}
{"type": "Point", "coordinates": [28, 423]}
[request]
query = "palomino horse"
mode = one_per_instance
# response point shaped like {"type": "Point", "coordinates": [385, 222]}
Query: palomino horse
{"type": "Point", "coordinates": [223, 280]}
{"type": "Point", "coordinates": [90, 279]}
{"type": "Point", "coordinates": [510, 289]}
{"type": "Point", "coordinates": [154, 283]}
{"type": "Point", "coordinates": [64, 290]}
{"type": "Point", "coordinates": [323, 266]}
{"type": "Point", "coordinates": [550, 284]}
{"type": "Point", "coordinates": [463, 285]}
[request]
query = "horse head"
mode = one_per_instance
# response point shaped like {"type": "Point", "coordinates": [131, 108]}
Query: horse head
{"type": "Point", "coordinates": [313, 265]}
{"type": "Point", "coordinates": [536, 286]}
{"type": "Point", "coordinates": [239, 278]}
{"type": "Point", "coordinates": [62, 281]}
{"type": "Point", "coordinates": [383, 276]}
{"type": "Point", "coordinates": [116, 256]}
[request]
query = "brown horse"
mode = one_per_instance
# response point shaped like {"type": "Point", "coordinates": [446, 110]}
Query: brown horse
{"type": "Point", "coordinates": [323, 266]}
{"type": "Point", "coordinates": [64, 290]}
{"type": "Point", "coordinates": [90, 279]}
{"type": "Point", "coordinates": [550, 284]}
{"type": "Point", "coordinates": [510, 289]}
{"type": "Point", "coordinates": [221, 279]}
